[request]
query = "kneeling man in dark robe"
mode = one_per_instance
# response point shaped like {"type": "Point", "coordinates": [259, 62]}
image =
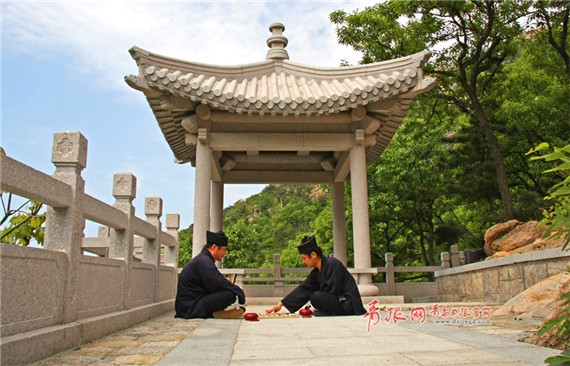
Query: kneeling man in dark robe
{"type": "Point", "coordinates": [330, 287]}
{"type": "Point", "coordinates": [203, 292]}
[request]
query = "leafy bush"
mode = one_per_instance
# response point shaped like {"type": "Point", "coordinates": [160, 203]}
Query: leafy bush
{"type": "Point", "coordinates": [558, 221]}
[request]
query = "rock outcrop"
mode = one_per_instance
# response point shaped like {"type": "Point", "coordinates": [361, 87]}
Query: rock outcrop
{"type": "Point", "coordinates": [539, 300]}
{"type": "Point", "coordinates": [515, 237]}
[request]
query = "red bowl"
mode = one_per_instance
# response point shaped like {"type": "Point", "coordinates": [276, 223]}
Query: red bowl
{"type": "Point", "coordinates": [252, 317]}
{"type": "Point", "coordinates": [305, 312]}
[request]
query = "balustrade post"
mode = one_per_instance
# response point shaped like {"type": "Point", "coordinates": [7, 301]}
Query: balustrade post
{"type": "Point", "coordinates": [455, 255]}
{"type": "Point", "coordinates": [151, 247]}
{"type": "Point", "coordinates": [390, 277]}
{"type": "Point", "coordinates": [121, 242]}
{"type": "Point", "coordinates": [64, 226]}
{"type": "Point", "coordinates": [171, 253]}
{"type": "Point", "coordinates": [239, 280]}
{"type": "Point", "coordinates": [445, 260]}
{"type": "Point", "coordinates": [461, 258]}
{"type": "Point", "coordinates": [277, 283]}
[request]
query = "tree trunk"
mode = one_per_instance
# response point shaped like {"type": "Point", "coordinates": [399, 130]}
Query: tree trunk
{"type": "Point", "coordinates": [497, 157]}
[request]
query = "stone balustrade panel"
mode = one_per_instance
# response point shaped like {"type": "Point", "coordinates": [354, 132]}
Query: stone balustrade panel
{"type": "Point", "coordinates": [31, 281]}
{"type": "Point", "coordinates": [94, 275]}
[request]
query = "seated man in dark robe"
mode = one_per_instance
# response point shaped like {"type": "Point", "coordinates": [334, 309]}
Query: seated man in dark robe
{"type": "Point", "coordinates": [203, 292]}
{"type": "Point", "coordinates": [330, 287]}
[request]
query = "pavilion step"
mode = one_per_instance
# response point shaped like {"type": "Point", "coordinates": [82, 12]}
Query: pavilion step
{"type": "Point", "coordinates": [425, 299]}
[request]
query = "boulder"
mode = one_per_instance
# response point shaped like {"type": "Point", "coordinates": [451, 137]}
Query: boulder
{"type": "Point", "coordinates": [514, 237]}
{"type": "Point", "coordinates": [498, 231]}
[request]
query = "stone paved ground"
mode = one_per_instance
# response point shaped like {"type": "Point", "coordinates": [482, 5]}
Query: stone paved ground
{"type": "Point", "coordinates": [144, 344]}
{"type": "Point", "coordinates": [149, 342]}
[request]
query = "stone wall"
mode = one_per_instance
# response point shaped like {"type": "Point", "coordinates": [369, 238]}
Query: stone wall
{"type": "Point", "coordinates": [500, 279]}
{"type": "Point", "coordinates": [54, 298]}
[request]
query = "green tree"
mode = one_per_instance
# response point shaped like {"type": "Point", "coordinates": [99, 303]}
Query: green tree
{"type": "Point", "coordinates": [471, 42]}
{"type": "Point", "coordinates": [549, 21]}
{"type": "Point", "coordinates": [412, 210]}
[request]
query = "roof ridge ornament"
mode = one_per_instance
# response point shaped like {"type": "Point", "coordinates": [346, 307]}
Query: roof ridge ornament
{"type": "Point", "coordinates": [277, 43]}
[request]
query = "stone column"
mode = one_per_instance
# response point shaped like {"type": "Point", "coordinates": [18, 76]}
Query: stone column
{"type": "Point", "coordinates": [339, 222]}
{"type": "Point", "coordinates": [217, 217]}
{"type": "Point", "coordinates": [201, 192]}
{"type": "Point", "coordinates": [217, 211]}
{"type": "Point", "coordinates": [360, 216]}
{"type": "Point", "coordinates": [121, 244]}
{"type": "Point", "coordinates": [151, 247]}
{"type": "Point", "coordinates": [64, 226]}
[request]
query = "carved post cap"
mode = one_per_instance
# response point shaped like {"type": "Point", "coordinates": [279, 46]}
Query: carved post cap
{"type": "Point", "coordinates": [276, 258]}
{"type": "Point", "coordinates": [359, 137]}
{"type": "Point", "coordinates": [124, 185]}
{"type": "Point", "coordinates": [389, 257]}
{"type": "Point", "coordinates": [69, 149]}
{"type": "Point", "coordinates": [153, 206]}
{"type": "Point", "coordinates": [173, 221]}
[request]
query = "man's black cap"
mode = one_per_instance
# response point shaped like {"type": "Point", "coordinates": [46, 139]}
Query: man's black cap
{"type": "Point", "coordinates": [219, 238]}
{"type": "Point", "coordinates": [308, 245]}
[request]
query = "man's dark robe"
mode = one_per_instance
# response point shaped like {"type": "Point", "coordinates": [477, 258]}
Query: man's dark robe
{"type": "Point", "coordinates": [201, 277]}
{"type": "Point", "coordinates": [334, 279]}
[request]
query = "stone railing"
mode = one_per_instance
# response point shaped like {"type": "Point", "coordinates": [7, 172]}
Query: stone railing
{"type": "Point", "coordinates": [500, 279]}
{"type": "Point", "coordinates": [56, 297]}
{"type": "Point", "coordinates": [279, 281]}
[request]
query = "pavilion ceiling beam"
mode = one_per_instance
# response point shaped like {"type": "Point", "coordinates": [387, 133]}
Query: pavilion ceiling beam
{"type": "Point", "coordinates": [224, 117]}
{"type": "Point", "coordinates": [276, 177]}
{"type": "Point", "coordinates": [370, 125]}
{"type": "Point", "coordinates": [227, 162]}
{"type": "Point", "coordinates": [281, 141]}
{"type": "Point", "coordinates": [216, 167]}
{"type": "Point", "coordinates": [342, 167]}
{"type": "Point", "coordinates": [276, 158]}
{"type": "Point", "coordinates": [328, 164]}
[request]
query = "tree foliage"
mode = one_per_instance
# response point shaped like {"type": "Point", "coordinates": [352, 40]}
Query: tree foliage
{"type": "Point", "coordinates": [21, 222]}
{"type": "Point", "coordinates": [471, 41]}
{"type": "Point", "coordinates": [558, 220]}
{"type": "Point", "coordinates": [436, 184]}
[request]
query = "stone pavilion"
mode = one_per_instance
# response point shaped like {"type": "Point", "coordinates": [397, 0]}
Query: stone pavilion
{"type": "Point", "coordinates": [277, 121]}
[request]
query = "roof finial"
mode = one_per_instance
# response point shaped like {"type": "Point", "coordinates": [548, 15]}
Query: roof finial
{"type": "Point", "coordinates": [277, 43]}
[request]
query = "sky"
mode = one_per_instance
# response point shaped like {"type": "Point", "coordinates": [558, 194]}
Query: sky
{"type": "Point", "coordinates": [63, 68]}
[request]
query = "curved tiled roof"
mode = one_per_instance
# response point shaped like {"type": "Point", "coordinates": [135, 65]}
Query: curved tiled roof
{"type": "Point", "coordinates": [293, 96]}
{"type": "Point", "coordinates": [279, 86]}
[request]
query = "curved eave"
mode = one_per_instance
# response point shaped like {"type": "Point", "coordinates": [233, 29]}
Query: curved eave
{"type": "Point", "coordinates": [174, 88]}
{"type": "Point", "coordinates": [277, 87]}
